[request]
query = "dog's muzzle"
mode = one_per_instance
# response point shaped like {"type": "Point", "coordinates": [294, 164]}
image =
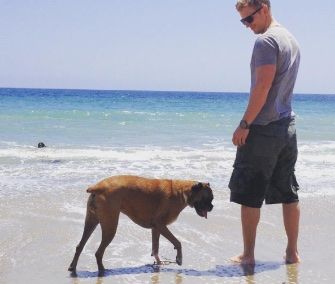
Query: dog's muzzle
{"type": "Point", "coordinates": [202, 208]}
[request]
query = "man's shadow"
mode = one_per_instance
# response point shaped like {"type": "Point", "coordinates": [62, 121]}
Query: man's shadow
{"type": "Point", "coordinates": [226, 270]}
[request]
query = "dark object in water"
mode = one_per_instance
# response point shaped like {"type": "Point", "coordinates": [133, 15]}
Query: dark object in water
{"type": "Point", "coordinates": [41, 145]}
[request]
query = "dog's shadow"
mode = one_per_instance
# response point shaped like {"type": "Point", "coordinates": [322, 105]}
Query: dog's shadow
{"type": "Point", "coordinates": [227, 270]}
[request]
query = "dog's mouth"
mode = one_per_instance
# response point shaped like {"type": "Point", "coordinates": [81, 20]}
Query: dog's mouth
{"type": "Point", "coordinates": [202, 211]}
{"type": "Point", "coordinates": [204, 204]}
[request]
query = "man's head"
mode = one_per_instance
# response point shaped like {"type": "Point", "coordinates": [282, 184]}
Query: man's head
{"type": "Point", "coordinates": [255, 14]}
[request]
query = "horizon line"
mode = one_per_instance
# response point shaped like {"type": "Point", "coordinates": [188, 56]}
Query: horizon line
{"type": "Point", "coordinates": [148, 90]}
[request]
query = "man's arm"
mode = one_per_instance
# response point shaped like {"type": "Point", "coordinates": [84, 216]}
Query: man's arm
{"type": "Point", "coordinates": [264, 78]}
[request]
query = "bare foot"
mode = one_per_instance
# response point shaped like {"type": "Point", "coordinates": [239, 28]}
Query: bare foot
{"type": "Point", "coordinates": [158, 261]}
{"type": "Point", "coordinates": [243, 260]}
{"type": "Point", "coordinates": [247, 263]}
{"type": "Point", "coordinates": [292, 258]}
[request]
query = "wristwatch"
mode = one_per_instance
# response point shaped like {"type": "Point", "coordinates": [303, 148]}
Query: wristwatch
{"type": "Point", "coordinates": [244, 124]}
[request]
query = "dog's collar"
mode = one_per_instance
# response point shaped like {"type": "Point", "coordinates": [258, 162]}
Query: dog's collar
{"type": "Point", "coordinates": [184, 195]}
{"type": "Point", "coordinates": [185, 198]}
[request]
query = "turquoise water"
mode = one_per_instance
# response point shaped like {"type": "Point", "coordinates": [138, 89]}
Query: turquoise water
{"type": "Point", "coordinates": [132, 118]}
{"type": "Point", "coordinates": [171, 134]}
{"type": "Point", "coordinates": [103, 118]}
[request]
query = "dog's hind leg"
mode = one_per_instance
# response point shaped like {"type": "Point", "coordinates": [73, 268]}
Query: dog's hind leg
{"type": "Point", "coordinates": [155, 244]}
{"type": "Point", "coordinates": [108, 228]}
{"type": "Point", "coordinates": [177, 245]}
{"type": "Point", "coordinates": [91, 223]}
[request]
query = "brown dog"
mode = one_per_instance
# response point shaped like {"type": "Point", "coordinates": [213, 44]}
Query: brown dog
{"type": "Point", "coordinates": [150, 203]}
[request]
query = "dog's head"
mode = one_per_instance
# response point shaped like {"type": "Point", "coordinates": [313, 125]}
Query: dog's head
{"type": "Point", "coordinates": [201, 198]}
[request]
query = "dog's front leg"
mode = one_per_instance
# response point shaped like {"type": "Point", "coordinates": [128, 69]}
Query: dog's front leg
{"type": "Point", "coordinates": [155, 244]}
{"type": "Point", "coordinates": [177, 245]}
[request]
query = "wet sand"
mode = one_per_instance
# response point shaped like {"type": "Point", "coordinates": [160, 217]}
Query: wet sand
{"type": "Point", "coordinates": [39, 232]}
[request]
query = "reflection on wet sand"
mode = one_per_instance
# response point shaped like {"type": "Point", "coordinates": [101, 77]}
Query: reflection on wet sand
{"type": "Point", "coordinates": [156, 279]}
{"type": "Point", "coordinates": [292, 272]}
{"type": "Point", "coordinates": [158, 272]}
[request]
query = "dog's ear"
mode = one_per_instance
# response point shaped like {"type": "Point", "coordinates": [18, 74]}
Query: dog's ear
{"type": "Point", "coordinates": [197, 187]}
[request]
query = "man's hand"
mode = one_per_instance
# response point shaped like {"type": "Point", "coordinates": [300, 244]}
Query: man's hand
{"type": "Point", "coordinates": [240, 136]}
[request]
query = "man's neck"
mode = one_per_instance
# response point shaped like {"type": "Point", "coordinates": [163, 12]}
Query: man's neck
{"type": "Point", "coordinates": [270, 23]}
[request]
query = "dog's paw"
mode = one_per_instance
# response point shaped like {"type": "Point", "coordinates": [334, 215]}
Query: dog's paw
{"type": "Point", "coordinates": [179, 260]}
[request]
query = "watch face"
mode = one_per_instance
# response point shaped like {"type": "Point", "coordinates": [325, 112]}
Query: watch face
{"type": "Point", "coordinates": [244, 124]}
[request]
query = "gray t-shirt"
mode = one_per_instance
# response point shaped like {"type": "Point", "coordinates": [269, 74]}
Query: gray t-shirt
{"type": "Point", "coordinates": [276, 46]}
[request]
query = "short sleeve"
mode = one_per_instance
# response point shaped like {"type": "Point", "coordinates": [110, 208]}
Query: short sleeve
{"type": "Point", "coordinates": [265, 51]}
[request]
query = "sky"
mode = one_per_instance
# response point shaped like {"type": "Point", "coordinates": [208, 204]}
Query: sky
{"type": "Point", "coordinates": [170, 45]}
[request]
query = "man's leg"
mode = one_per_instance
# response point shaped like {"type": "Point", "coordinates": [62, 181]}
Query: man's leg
{"type": "Point", "coordinates": [250, 218]}
{"type": "Point", "coordinates": [291, 215]}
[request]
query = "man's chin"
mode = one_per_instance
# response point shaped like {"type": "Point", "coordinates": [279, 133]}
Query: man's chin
{"type": "Point", "coordinates": [256, 32]}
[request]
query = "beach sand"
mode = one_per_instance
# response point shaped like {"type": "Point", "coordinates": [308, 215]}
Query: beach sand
{"type": "Point", "coordinates": [39, 232]}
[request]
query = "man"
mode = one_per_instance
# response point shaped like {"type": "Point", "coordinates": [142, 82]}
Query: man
{"type": "Point", "coordinates": [266, 139]}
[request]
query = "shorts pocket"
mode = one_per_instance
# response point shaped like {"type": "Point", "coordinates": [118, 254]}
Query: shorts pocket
{"type": "Point", "coordinates": [248, 181]}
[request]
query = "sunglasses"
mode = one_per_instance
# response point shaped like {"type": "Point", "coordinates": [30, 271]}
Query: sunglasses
{"type": "Point", "coordinates": [249, 19]}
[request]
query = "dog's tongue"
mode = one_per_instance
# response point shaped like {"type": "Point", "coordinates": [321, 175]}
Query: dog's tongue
{"type": "Point", "coordinates": [204, 213]}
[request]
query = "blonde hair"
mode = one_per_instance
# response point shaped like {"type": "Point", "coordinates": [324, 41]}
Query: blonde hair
{"type": "Point", "coordinates": [253, 3]}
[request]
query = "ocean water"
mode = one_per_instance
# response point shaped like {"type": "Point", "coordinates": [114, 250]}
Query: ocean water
{"type": "Point", "coordinates": [94, 134]}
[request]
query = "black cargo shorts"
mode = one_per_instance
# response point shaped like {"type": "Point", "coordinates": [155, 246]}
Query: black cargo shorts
{"type": "Point", "coordinates": [264, 166]}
